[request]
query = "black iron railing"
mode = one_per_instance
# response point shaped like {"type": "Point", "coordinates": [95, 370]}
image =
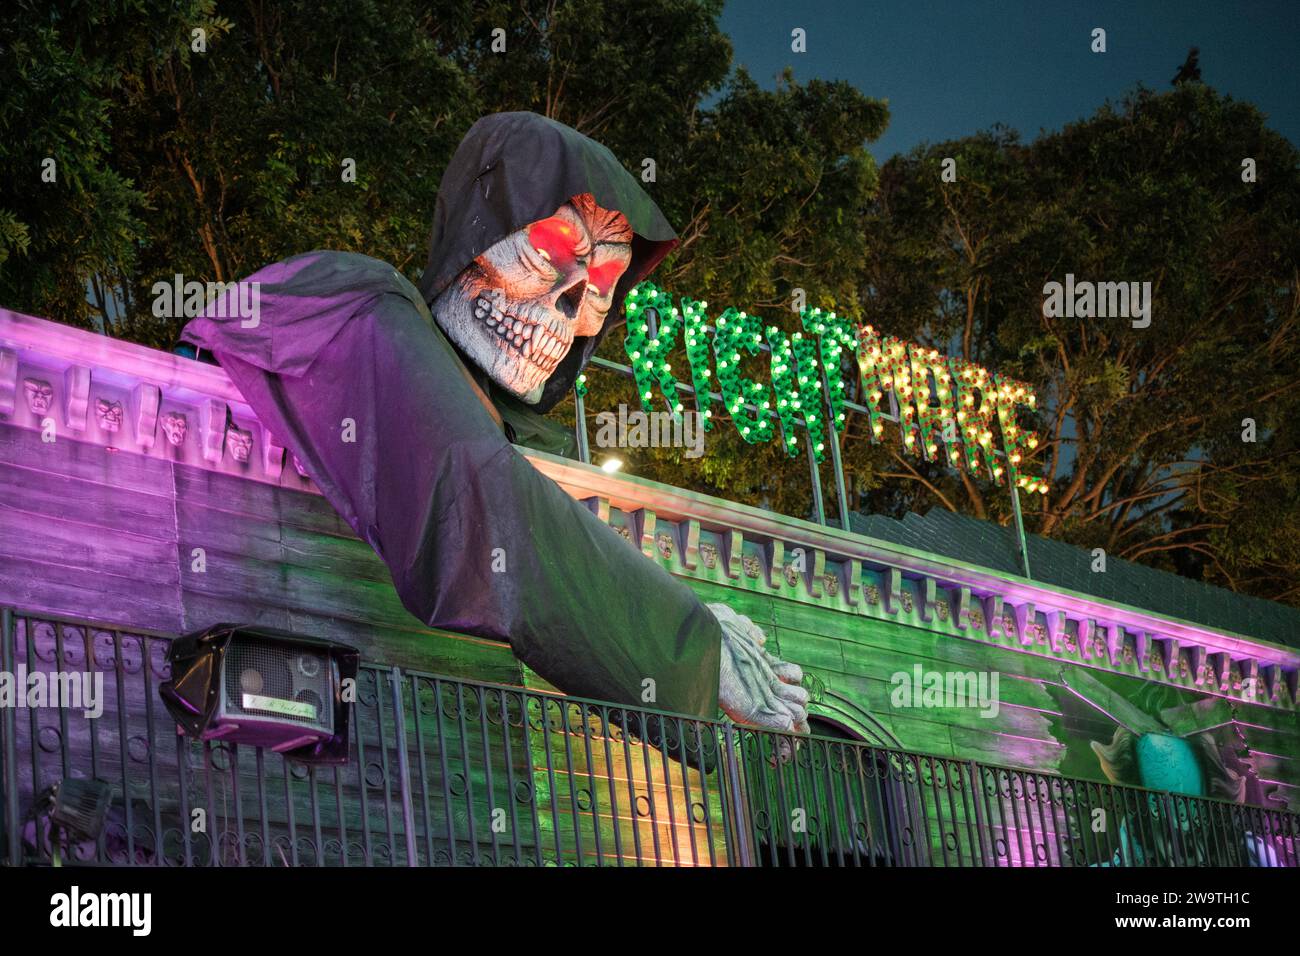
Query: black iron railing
{"type": "Point", "coordinates": [451, 772]}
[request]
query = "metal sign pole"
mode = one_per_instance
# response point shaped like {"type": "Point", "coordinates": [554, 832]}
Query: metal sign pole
{"type": "Point", "coordinates": [580, 427]}
{"type": "Point", "coordinates": [819, 510]}
{"type": "Point", "coordinates": [837, 465]}
{"type": "Point", "coordinates": [1020, 528]}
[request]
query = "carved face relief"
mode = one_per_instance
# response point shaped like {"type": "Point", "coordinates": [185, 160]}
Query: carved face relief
{"type": "Point", "coordinates": [239, 443]}
{"type": "Point", "coordinates": [40, 395]}
{"type": "Point", "coordinates": [173, 425]}
{"type": "Point", "coordinates": [109, 414]}
{"type": "Point", "coordinates": [516, 309]}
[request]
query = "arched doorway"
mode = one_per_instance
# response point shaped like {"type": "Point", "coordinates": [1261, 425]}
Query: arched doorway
{"type": "Point", "coordinates": [838, 801]}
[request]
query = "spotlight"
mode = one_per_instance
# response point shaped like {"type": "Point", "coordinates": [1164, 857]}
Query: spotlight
{"type": "Point", "coordinates": [75, 808]}
{"type": "Point", "coordinates": [611, 465]}
{"type": "Point", "coordinates": [265, 688]}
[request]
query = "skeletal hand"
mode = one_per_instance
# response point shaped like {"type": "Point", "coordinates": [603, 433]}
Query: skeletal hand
{"type": "Point", "coordinates": [754, 687]}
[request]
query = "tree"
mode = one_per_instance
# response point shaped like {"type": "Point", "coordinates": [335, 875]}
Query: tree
{"type": "Point", "coordinates": [767, 201]}
{"type": "Point", "coordinates": [217, 161]}
{"type": "Point", "coordinates": [70, 217]}
{"type": "Point", "coordinates": [1142, 428]}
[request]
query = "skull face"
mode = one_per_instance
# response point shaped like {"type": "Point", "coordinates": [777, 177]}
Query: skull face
{"type": "Point", "coordinates": [239, 443]}
{"type": "Point", "coordinates": [109, 415]}
{"type": "Point", "coordinates": [39, 395]}
{"type": "Point", "coordinates": [173, 425]}
{"type": "Point", "coordinates": [516, 309]}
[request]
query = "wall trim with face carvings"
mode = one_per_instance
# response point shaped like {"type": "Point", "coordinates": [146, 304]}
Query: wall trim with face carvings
{"type": "Point", "coordinates": [691, 535]}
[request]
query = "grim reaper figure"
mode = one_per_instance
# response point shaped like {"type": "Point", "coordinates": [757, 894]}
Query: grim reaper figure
{"type": "Point", "coordinates": [538, 235]}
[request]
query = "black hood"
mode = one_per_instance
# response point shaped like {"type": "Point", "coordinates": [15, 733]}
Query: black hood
{"type": "Point", "coordinates": [512, 169]}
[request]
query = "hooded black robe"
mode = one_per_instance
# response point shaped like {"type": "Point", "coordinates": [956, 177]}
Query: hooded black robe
{"type": "Point", "coordinates": [432, 481]}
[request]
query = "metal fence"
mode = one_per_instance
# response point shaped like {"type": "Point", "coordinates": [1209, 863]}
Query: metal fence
{"type": "Point", "coordinates": [451, 772]}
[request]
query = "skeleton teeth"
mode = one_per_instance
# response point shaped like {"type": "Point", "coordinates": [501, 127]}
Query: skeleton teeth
{"type": "Point", "coordinates": [538, 344]}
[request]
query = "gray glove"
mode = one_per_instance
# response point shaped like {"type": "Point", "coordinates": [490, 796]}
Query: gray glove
{"type": "Point", "coordinates": [755, 688]}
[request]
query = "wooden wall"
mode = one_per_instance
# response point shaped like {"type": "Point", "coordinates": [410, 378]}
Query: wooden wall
{"type": "Point", "coordinates": [1040, 724]}
{"type": "Point", "coordinates": [111, 537]}
{"type": "Point", "coordinates": [88, 533]}
{"type": "Point", "coordinates": [85, 532]}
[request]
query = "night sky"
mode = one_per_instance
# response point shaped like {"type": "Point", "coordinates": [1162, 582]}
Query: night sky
{"type": "Point", "coordinates": [951, 67]}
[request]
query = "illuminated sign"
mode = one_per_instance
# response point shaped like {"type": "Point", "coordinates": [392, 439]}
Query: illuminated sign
{"type": "Point", "coordinates": [948, 409]}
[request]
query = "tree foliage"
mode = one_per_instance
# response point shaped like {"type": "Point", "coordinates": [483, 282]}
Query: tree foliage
{"type": "Point", "coordinates": [1142, 428]}
{"type": "Point", "coordinates": [214, 163]}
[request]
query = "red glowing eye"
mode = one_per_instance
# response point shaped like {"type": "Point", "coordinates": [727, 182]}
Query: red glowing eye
{"type": "Point", "coordinates": [603, 277]}
{"type": "Point", "coordinates": [555, 241]}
